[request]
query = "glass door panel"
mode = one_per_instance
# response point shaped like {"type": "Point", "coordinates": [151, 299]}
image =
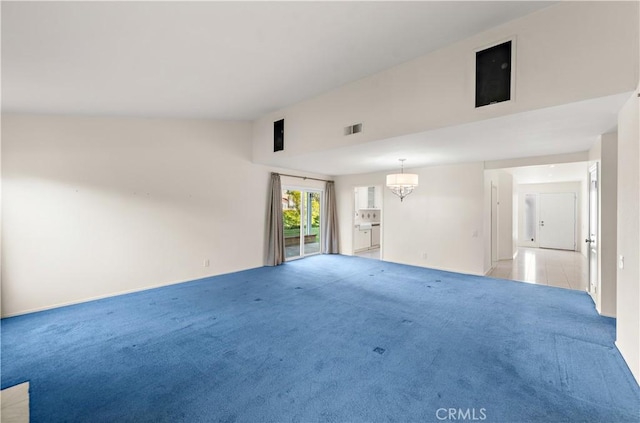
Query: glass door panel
{"type": "Point", "coordinates": [291, 208]}
{"type": "Point", "coordinates": [301, 221]}
{"type": "Point", "coordinates": [311, 222]}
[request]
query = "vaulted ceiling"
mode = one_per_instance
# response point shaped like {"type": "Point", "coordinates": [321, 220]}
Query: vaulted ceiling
{"type": "Point", "coordinates": [220, 60]}
{"type": "Point", "coordinates": [241, 60]}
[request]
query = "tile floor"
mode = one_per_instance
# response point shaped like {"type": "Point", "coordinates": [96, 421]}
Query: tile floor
{"type": "Point", "coordinates": [372, 254]}
{"type": "Point", "coordinates": [564, 269]}
{"type": "Point", "coordinates": [15, 404]}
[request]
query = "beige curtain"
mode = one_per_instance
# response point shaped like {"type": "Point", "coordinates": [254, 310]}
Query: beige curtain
{"type": "Point", "coordinates": [275, 231]}
{"type": "Point", "coordinates": [330, 229]}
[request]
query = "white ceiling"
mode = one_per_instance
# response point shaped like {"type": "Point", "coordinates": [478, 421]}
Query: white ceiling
{"type": "Point", "coordinates": [562, 172]}
{"type": "Point", "coordinates": [241, 60]}
{"type": "Point", "coordinates": [222, 60]}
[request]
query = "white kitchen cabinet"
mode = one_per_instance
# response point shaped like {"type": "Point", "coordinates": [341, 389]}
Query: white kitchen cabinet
{"type": "Point", "coordinates": [361, 239]}
{"type": "Point", "coordinates": [368, 198]}
{"type": "Point", "coordinates": [377, 197]}
{"type": "Point", "coordinates": [375, 236]}
{"type": "Point", "coordinates": [363, 198]}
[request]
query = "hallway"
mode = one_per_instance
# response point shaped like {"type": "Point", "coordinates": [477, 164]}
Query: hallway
{"type": "Point", "coordinates": [559, 268]}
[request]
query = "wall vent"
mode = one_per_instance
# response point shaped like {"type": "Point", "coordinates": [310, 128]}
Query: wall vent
{"type": "Point", "coordinates": [278, 135]}
{"type": "Point", "coordinates": [493, 74]}
{"type": "Point", "coordinates": [353, 129]}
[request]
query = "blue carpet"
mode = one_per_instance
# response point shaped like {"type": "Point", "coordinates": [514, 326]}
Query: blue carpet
{"type": "Point", "coordinates": [327, 338]}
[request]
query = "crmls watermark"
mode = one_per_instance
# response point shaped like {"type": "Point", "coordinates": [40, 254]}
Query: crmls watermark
{"type": "Point", "coordinates": [462, 414]}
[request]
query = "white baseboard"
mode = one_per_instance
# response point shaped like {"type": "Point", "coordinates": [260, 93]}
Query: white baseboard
{"type": "Point", "coordinates": [444, 269]}
{"type": "Point", "coordinates": [86, 300]}
{"type": "Point", "coordinates": [113, 294]}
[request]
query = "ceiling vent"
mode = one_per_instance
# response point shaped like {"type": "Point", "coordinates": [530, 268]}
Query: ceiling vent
{"type": "Point", "coordinates": [353, 129]}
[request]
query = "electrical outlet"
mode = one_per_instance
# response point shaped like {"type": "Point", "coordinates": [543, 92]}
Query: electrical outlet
{"type": "Point", "coordinates": [621, 262]}
{"type": "Point", "coordinates": [205, 263]}
{"type": "Point", "coordinates": [424, 256]}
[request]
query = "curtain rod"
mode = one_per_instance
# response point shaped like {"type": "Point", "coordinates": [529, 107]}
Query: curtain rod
{"type": "Point", "coordinates": [305, 177]}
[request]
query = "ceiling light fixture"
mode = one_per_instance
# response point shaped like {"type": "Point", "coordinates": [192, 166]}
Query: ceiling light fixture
{"type": "Point", "coordinates": [402, 184]}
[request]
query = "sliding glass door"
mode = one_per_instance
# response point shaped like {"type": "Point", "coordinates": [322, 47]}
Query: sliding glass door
{"type": "Point", "coordinates": [301, 215]}
{"type": "Point", "coordinates": [311, 222]}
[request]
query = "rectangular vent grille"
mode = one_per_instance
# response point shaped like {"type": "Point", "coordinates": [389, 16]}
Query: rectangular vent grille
{"type": "Point", "coordinates": [278, 135]}
{"type": "Point", "coordinates": [493, 74]}
{"type": "Point", "coordinates": [353, 129]}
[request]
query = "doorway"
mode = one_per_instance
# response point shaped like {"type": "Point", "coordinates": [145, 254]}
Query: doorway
{"type": "Point", "coordinates": [301, 214]}
{"type": "Point", "coordinates": [550, 217]}
{"type": "Point", "coordinates": [367, 223]}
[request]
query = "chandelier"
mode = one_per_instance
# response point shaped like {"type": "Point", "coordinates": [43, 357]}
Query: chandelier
{"type": "Point", "coordinates": [402, 184]}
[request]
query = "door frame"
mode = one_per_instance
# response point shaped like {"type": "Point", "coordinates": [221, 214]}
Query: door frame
{"type": "Point", "coordinates": [494, 224]}
{"type": "Point", "coordinates": [593, 288]}
{"type": "Point", "coordinates": [302, 190]}
{"type": "Point", "coordinates": [354, 211]}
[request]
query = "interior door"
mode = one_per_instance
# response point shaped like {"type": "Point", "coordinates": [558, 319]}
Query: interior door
{"type": "Point", "coordinates": [494, 225]}
{"type": "Point", "coordinates": [557, 227]}
{"type": "Point", "coordinates": [592, 241]}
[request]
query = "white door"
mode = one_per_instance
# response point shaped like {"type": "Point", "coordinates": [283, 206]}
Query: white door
{"type": "Point", "coordinates": [592, 241]}
{"type": "Point", "coordinates": [494, 225]}
{"type": "Point", "coordinates": [557, 221]}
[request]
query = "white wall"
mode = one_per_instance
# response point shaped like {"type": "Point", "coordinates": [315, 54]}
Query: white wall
{"type": "Point", "coordinates": [1, 251]}
{"type": "Point", "coordinates": [628, 294]}
{"type": "Point", "coordinates": [574, 187]}
{"type": "Point", "coordinates": [97, 206]}
{"type": "Point", "coordinates": [561, 54]}
{"type": "Point", "coordinates": [581, 156]}
{"type": "Point", "coordinates": [515, 218]}
{"type": "Point", "coordinates": [443, 218]}
{"type": "Point", "coordinates": [300, 183]}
